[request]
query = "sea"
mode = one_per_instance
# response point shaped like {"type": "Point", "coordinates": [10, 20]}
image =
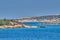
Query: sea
{"type": "Point", "coordinates": [52, 32]}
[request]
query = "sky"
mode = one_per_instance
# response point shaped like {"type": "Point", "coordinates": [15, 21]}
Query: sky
{"type": "Point", "coordinates": [27, 8]}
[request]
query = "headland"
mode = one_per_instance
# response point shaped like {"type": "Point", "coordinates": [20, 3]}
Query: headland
{"type": "Point", "coordinates": [17, 23]}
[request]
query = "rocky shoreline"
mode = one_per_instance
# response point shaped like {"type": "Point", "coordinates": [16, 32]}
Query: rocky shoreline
{"type": "Point", "coordinates": [50, 19]}
{"type": "Point", "coordinates": [11, 26]}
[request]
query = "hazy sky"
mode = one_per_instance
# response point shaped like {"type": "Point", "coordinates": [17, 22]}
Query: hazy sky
{"type": "Point", "coordinates": [24, 8]}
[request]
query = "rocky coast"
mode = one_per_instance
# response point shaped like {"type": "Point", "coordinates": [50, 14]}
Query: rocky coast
{"type": "Point", "coordinates": [17, 23]}
{"type": "Point", "coordinates": [10, 24]}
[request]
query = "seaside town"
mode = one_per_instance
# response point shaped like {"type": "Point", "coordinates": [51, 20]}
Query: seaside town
{"type": "Point", "coordinates": [18, 23]}
{"type": "Point", "coordinates": [55, 19]}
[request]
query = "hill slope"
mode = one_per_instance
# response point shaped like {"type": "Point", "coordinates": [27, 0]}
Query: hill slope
{"type": "Point", "coordinates": [46, 19]}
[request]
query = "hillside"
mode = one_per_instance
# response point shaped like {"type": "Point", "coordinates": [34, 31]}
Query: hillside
{"type": "Point", "coordinates": [46, 19]}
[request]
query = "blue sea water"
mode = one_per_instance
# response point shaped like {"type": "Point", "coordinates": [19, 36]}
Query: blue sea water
{"type": "Point", "coordinates": [52, 33]}
{"type": "Point", "coordinates": [41, 24]}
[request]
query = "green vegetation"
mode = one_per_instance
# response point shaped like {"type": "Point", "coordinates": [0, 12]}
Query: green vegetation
{"type": "Point", "coordinates": [4, 22]}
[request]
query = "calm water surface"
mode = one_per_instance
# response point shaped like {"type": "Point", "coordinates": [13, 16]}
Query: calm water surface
{"type": "Point", "coordinates": [41, 24]}
{"type": "Point", "coordinates": [52, 33]}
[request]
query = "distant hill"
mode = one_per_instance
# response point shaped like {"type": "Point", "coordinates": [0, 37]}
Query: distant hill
{"type": "Point", "coordinates": [46, 19]}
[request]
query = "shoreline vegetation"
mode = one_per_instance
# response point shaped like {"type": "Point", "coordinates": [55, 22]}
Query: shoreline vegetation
{"type": "Point", "coordinates": [5, 23]}
{"type": "Point", "coordinates": [17, 23]}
